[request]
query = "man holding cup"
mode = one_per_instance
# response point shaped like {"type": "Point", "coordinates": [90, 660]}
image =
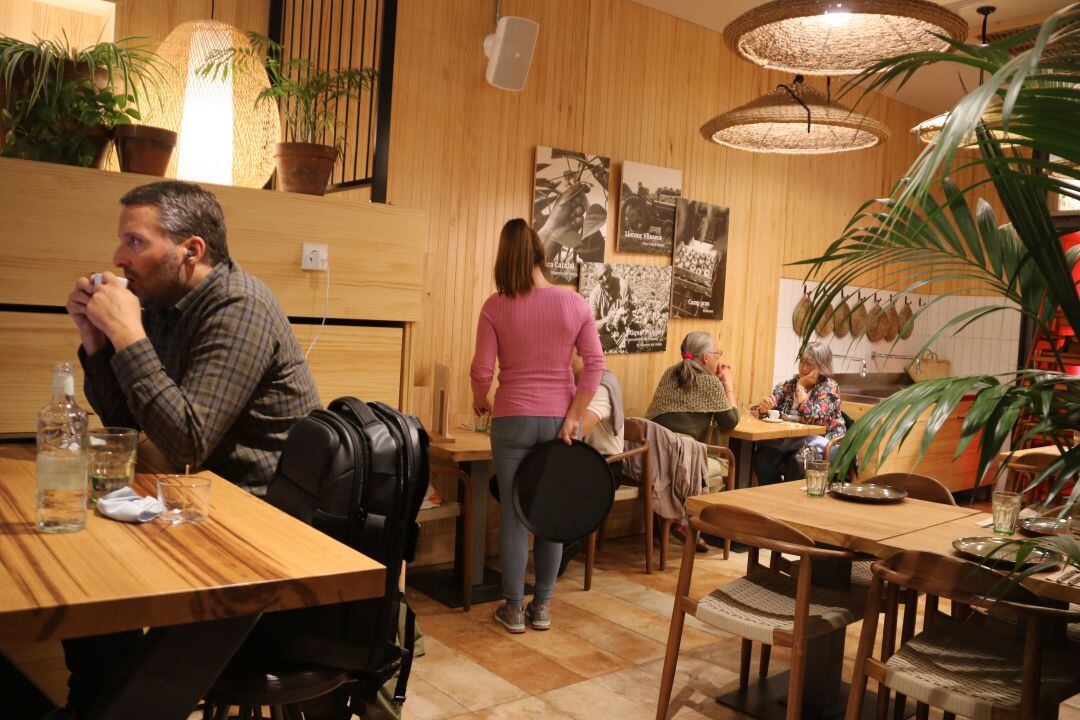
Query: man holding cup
{"type": "Point", "coordinates": [192, 350]}
{"type": "Point", "coordinates": [195, 352]}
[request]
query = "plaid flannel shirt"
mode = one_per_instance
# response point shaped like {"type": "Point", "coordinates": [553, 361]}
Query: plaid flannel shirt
{"type": "Point", "coordinates": [218, 382]}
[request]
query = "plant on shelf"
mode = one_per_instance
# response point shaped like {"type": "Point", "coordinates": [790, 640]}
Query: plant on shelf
{"type": "Point", "coordinates": [60, 104]}
{"type": "Point", "coordinates": [1018, 131]}
{"type": "Point", "coordinates": [308, 97]}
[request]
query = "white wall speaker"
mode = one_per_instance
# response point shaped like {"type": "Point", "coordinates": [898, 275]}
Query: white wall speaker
{"type": "Point", "coordinates": [510, 51]}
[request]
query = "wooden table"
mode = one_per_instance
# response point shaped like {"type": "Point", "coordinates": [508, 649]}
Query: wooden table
{"type": "Point", "coordinates": [753, 429]}
{"type": "Point", "coordinates": [471, 450]}
{"type": "Point", "coordinates": [857, 526]}
{"type": "Point", "coordinates": [880, 530]}
{"type": "Point", "coordinates": [199, 587]}
{"type": "Point", "coordinates": [939, 538]}
{"type": "Point", "coordinates": [866, 528]}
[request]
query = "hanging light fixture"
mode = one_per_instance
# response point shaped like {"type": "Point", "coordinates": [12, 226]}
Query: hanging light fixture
{"type": "Point", "coordinates": [794, 119]}
{"type": "Point", "coordinates": [839, 37]}
{"type": "Point", "coordinates": [224, 137]}
{"type": "Point", "coordinates": [928, 130]}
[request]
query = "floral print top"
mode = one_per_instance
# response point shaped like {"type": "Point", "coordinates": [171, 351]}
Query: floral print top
{"type": "Point", "coordinates": [822, 407]}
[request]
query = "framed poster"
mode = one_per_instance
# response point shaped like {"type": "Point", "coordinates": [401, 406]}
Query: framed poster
{"type": "Point", "coordinates": [647, 208]}
{"type": "Point", "coordinates": [700, 260]}
{"type": "Point", "coordinates": [630, 305]}
{"type": "Point", "coordinates": [570, 209]}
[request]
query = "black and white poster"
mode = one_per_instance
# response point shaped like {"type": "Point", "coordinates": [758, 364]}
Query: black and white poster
{"type": "Point", "coordinates": [647, 208]}
{"type": "Point", "coordinates": [570, 209]}
{"type": "Point", "coordinates": [629, 304]}
{"type": "Point", "coordinates": [700, 260]}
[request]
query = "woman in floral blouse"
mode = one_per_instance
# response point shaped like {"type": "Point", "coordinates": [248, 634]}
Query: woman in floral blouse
{"type": "Point", "coordinates": [811, 397]}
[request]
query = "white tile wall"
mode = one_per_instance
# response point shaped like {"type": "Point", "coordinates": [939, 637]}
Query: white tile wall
{"type": "Point", "coordinates": [988, 345]}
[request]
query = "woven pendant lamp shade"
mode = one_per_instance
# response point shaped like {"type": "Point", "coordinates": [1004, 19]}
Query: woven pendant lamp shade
{"type": "Point", "coordinates": [928, 130]}
{"type": "Point", "coordinates": [776, 123]}
{"type": "Point", "coordinates": [225, 137]}
{"type": "Point", "coordinates": [839, 37]}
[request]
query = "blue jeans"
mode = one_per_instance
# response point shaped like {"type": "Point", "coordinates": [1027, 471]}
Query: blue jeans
{"type": "Point", "coordinates": [511, 440]}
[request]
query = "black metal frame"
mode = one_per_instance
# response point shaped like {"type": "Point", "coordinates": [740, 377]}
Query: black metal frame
{"type": "Point", "coordinates": [375, 146]}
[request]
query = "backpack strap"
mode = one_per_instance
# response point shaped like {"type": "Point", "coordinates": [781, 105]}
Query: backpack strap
{"type": "Point", "coordinates": [407, 647]}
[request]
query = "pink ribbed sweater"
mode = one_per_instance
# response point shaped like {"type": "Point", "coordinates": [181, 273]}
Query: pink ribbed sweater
{"type": "Point", "coordinates": [533, 336]}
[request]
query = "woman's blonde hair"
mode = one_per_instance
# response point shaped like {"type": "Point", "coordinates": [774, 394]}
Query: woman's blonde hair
{"type": "Point", "coordinates": [694, 344]}
{"type": "Point", "coordinates": [520, 250]}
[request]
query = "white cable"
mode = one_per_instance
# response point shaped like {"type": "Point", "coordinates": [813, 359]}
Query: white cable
{"type": "Point", "coordinates": [326, 311]}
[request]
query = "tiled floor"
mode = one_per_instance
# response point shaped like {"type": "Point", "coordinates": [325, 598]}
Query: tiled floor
{"type": "Point", "coordinates": [601, 659]}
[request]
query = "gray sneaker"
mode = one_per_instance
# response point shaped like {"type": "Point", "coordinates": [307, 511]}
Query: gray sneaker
{"type": "Point", "coordinates": [539, 616]}
{"type": "Point", "coordinates": [511, 617]}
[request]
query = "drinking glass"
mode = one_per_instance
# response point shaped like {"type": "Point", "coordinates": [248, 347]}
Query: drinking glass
{"type": "Point", "coordinates": [481, 422]}
{"type": "Point", "coordinates": [112, 459]}
{"type": "Point", "coordinates": [186, 498]}
{"type": "Point", "coordinates": [1074, 526]}
{"type": "Point", "coordinates": [817, 477]}
{"type": "Point", "coordinates": [1006, 508]}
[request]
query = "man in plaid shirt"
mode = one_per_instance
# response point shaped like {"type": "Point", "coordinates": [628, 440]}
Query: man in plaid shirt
{"type": "Point", "coordinates": [195, 352]}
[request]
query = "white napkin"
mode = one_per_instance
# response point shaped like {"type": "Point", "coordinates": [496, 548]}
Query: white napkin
{"type": "Point", "coordinates": [126, 505]}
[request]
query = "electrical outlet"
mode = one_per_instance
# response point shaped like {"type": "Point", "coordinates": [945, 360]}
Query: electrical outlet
{"type": "Point", "coordinates": [314, 256]}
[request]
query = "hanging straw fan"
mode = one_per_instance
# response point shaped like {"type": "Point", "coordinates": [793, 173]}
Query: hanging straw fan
{"type": "Point", "coordinates": [905, 318]}
{"type": "Point", "coordinates": [876, 322]}
{"type": "Point", "coordinates": [841, 319]}
{"type": "Point", "coordinates": [857, 319]}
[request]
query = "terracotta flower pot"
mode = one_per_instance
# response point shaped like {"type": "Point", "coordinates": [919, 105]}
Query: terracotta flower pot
{"type": "Point", "coordinates": [304, 167]}
{"type": "Point", "coordinates": [144, 149]}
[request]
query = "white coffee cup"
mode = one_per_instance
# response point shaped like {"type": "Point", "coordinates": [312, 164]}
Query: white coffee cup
{"type": "Point", "coordinates": [98, 279]}
{"type": "Point", "coordinates": [774, 414]}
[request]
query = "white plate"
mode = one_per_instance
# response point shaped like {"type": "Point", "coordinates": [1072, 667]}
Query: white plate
{"type": "Point", "coordinates": [770, 420]}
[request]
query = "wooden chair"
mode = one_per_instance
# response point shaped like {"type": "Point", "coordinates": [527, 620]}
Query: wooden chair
{"type": "Point", "coordinates": [766, 605]}
{"type": "Point", "coordinates": [963, 667]}
{"type": "Point", "coordinates": [634, 432]}
{"type": "Point", "coordinates": [919, 487]}
{"type": "Point", "coordinates": [251, 683]}
{"type": "Point", "coordinates": [463, 508]}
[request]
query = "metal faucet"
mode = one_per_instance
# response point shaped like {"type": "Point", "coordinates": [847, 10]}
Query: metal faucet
{"type": "Point", "coordinates": [862, 372]}
{"type": "Point", "coordinates": [874, 355]}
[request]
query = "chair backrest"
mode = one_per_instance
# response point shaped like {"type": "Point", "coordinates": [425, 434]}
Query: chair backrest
{"type": "Point", "coordinates": [919, 487]}
{"type": "Point", "coordinates": [634, 430]}
{"type": "Point", "coordinates": [752, 528]}
{"type": "Point", "coordinates": [953, 578]}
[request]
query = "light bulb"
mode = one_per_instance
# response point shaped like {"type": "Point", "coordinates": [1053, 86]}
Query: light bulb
{"type": "Point", "coordinates": [836, 19]}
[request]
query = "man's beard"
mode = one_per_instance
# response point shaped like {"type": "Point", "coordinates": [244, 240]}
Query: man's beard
{"type": "Point", "coordinates": [163, 287]}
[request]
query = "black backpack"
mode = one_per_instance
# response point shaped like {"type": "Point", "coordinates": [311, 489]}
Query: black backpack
{"type": "Point", "coordinates": [358, 472]}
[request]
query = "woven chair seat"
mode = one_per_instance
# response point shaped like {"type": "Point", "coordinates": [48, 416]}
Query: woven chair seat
{"type": "Point", "coordinates": [756, 606]}
{"type": "Point", "coordinates": [861, 574]}
{"type": "Point", "coordinates": [967, 670]}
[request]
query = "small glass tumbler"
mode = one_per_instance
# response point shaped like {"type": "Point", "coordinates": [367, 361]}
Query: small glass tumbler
{"type": "Point", "coordinates": [1006, 509]}
{"type": "Point", "coordinates": [1074, 526]}
{"type": "Point", "coordinates": [112, 459]}
{"type": "Point", "coordinates": [482, 422]}
{"type": "Point", "coordinates": [817, 477]}
{"type": "Point", "coordinates": [186, 498]}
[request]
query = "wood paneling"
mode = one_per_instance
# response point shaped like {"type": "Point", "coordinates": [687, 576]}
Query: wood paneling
{"type": "Point", "coordinates": [35, 341]}
{"type": "Point", "coordinates": [61, 221]}
{"type": "Point", "coordinates": [617, 78]}
{"type": "Point", "coordinates": [358, 360]}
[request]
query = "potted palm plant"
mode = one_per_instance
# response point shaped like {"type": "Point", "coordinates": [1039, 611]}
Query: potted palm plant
{"type": "Point", "coordinates": [61, 104]}
{"type": "Point", "coordinates": [308, 97]}
{"type": "Point", "coordinates": [1022, 118]}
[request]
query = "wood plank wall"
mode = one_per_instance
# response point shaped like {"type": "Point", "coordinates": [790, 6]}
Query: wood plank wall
{"type": "Point", "coordinates": [617, 78]}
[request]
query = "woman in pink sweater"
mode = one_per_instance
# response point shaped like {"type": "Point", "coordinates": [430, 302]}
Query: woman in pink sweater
{"type": "Point", "coordinates": [531, 327]}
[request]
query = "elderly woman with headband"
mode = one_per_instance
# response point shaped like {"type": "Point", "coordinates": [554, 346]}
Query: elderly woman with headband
{"type": "Point", "coordinates": [811, 397]}
{"type": "Point", "coordinates": [696, 393]}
